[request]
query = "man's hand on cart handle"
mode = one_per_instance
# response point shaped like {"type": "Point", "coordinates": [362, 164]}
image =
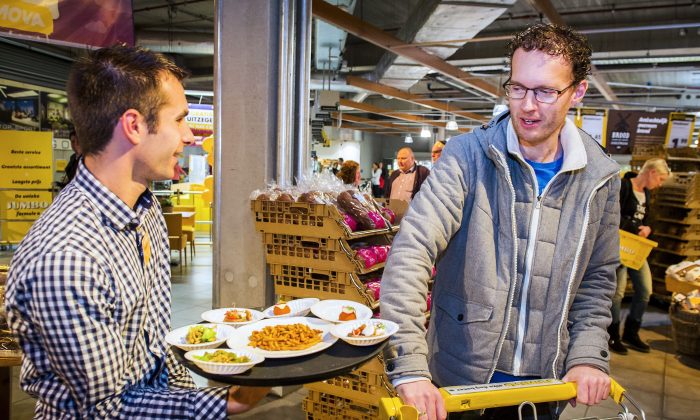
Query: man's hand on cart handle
{"type": "Point", "coordinates": [592, 384]}
{"type": "Point", "coordinates": [425, 397]}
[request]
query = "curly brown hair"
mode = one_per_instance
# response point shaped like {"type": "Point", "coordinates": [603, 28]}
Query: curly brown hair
{"type": "Point", "coordinates": [555, 40]}
{"type": "Point", "coordinates": [348, 171]}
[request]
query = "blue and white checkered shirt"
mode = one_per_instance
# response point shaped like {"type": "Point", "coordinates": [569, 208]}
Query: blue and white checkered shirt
{"type": "Point", "coordinates": [88, 295]}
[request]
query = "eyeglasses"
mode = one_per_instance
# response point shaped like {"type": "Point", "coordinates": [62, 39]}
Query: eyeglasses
{"type": "Point", "coordinates": [543, 95]}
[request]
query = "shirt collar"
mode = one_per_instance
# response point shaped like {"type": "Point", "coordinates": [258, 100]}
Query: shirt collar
{"type": "Point", "coordinates": [413, 169]}
{"type": "Point", "coordinates": [571, 143]}
{"type": "Point", "coordinates": [114, 211]}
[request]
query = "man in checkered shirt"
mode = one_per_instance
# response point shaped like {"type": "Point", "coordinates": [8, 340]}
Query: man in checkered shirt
{"type": "Point", "coordinates": [88, 293]}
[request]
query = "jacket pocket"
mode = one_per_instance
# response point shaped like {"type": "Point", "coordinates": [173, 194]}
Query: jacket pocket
{"type": "Point", "coordinates": [464, 312]}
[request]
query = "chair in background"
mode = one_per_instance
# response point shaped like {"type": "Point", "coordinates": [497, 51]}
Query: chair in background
{"type": "Point", "coordinates": [188, 225]}
{"type": "Point", "coordinates": [176, 236]}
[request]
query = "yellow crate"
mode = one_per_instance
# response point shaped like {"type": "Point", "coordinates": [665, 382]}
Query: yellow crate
{"type": "Point", "coordinates": [366, 384]}
{"type": "Point", "coordinates": [320, 405]}
{"type": "Point", "coordinates": [634, 249]}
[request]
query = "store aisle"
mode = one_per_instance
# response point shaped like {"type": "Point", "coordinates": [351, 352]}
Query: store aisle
{"type": "Point", "coordinates": [667, 386]}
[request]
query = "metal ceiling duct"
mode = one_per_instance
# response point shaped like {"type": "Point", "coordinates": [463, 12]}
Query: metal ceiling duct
{"type": "Point", "coordinates": [433, 21]}
{"type": "Point", "coordinates": [197, 43]}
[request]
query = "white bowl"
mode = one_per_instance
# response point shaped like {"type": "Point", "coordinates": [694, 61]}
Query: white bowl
{"type": "Point", "coordinates": [299, 307]}
{"type": "Point", "coordinates": [342, 330]}
{"type": "Point", "coordinates": [216, 316]}
{"type": "Point", "coordinates": [178, 337]}
{"type": "Point", "coordinates": [330, 310]}
{"type": "Point", "coordinates": [225, 368]}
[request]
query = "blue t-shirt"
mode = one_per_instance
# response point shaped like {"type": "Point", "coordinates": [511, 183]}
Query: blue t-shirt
{"type": "Point", "coordinates": [500, 377]}
{"type": "Point", "coordinates": [545, 172]}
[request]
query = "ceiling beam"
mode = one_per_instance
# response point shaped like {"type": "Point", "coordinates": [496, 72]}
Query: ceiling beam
{"type": "Point", "coordinates": [363, 83]}
{"type": "Point", "coordinates": [351, 24]}
{"type": "Point", "coordinates": [398, 115]}
{"type": "Point", "coordinates": [368, 121]}
{"type": "Point", "coordinates": [598, 80]}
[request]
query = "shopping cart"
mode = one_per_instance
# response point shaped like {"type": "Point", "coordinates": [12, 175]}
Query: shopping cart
{"type": "Point", "coordinates": [520, 393]}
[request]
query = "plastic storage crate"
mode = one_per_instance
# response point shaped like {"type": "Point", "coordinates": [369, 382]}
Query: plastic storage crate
{"type": "Point", "coordinates": [302, 282]}
{"type": "Point", "coordinates": [307, 219]}
{"type": "Point", "coordinates": [320, 405]}
{"type": "Point", "coordinates": [367, 384]}
{"type": "Point", "coordinates": [634, 249]}
{"type": "Point", "coordinates": [323, 253]}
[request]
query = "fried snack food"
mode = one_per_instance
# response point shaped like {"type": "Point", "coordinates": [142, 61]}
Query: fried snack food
{"type": "Point", "coordinates": [285, 337]}
{"type": "Point", "coordinates": [199, 334]}
{"type": "Point", "coordinates": [238, 315]}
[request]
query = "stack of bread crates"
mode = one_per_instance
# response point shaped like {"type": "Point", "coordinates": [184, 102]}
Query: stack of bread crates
{"type": "Point", "coordinates": [675, 213]}
{"type": "Point", "coordinates": [310, 253]}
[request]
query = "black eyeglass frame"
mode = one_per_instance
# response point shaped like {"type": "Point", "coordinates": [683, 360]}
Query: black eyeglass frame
{"type": "Point", "coordinates": [559, 92]}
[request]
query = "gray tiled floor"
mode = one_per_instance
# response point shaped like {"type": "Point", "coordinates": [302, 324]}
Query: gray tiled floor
{"type": "Point", "coordinates": [667, 387]}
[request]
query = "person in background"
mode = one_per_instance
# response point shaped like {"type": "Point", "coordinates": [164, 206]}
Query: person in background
{"type": "Point", "coordinates": [72, 165]}
{"type": "Point", "coordinates": [350, 173]}
{"type": "Point", "coordinates": [634, 214]}
{"type": "Point", "coordinates": [88, 293]}
{"type": "Point", "coordinates": [376, 180]}
{"type": "Point", "coordinates": [178, 174]}
{"type": "Point", "coordinates": [437, 150]}
{"type": "Point", "coordinates": [406, 181]}
{"type": "Point", "coordinates": [522, 218]}
{"type": "Point", "coordinates": [334, 168]}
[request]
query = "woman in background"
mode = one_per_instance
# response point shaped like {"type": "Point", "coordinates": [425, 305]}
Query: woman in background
{"type": "Point", "coordinates": [349, 173]}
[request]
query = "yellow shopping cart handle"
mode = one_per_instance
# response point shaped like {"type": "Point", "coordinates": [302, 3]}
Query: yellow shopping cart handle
{"type": "Point", "coordinates": [477, 397]}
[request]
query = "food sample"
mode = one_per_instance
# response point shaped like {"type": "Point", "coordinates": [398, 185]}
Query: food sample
{"type": "Point", "coordinates": [368, 330]}
{"type": "Point", "coordinates": [285, 337]}
{"type": "Point", "coordinates": [238, 315]}
{"type": "Point", "coordinates": [200, 334]}
{"type": "Point", "coordinates": [347, 314]}
{"type": "Point", "coordinates": [281, 309]}
{"type": "Point", "coordinates": [221, 356]}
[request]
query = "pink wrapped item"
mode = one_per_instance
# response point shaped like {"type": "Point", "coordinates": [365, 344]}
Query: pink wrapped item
{"type": "Point", "coordinates": [381, 251]}
{"type": "Point", "coordinates": [368, 256]}
{"type": "Point", "coordinates": [429, 301]}
{"type": "Point", "coordinates": [376, 219]}
{"type": "Point", "coordinates": [352, 224]}
{"type": "Point", "coordinates": [389, 214]}
{"type": "Point", "coordinates": [434, 273]}
{"type": "Point", "coordinates": [373, 286]}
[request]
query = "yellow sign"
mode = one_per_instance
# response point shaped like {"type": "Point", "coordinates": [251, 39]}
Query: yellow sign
{"type": "Point", "coordinates": [594, 122]}
{"type": "Point", "coordinates": [25, 159]}
{"type": "Point", "coordinates": [23, 205]}
{"type": "Point", "coordinates": [680, 129]}
{"type": "Point", "coordinates": [23, 16]}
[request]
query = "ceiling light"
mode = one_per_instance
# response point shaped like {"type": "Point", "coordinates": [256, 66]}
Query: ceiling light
{"type": "Point", "coordinates": [452, 124]}
{"type": "Point", "coordinates": [425, 132]}
{"type": "Point", "coordinates": [408, 139]}
{"type": "Point", "coordinates": [22, 94]}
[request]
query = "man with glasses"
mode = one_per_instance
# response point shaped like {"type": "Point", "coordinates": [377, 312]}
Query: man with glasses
{"type": "Point", "coordinates": [521, 217]}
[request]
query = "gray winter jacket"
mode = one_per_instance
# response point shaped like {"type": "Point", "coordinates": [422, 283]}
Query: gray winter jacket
{"type": "Point", "coordinates": [479, 216]}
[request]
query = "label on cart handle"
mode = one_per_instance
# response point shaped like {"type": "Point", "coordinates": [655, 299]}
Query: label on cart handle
{"type": "Point", "coordinates": [471, 389]}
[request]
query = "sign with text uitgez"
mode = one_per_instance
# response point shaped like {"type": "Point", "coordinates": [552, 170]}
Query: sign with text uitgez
{"type": "Point", "coordinates": [26, 159]}
{"type": "Point", "coordinates": [680, 129]}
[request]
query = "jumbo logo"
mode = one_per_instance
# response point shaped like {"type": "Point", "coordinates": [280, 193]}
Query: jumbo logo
{"type": "Point", "coordinates": [20, 15]}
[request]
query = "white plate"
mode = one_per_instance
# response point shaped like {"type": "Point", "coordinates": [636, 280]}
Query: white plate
{"type": "Point", "coordinates": [330, 310]}
{"type": "Point", "coordinates": [178, 337]}
{"type": "Point", "coordinates": [342, 330]}
{"type": "Point", "coordinates": [299, 307]}
{"type": "Point", "coordinates": [225, 368]}
{"type": "Point", "coordinates": [241, 337]}
{"type": "Point", "coordinates": [217, 316]}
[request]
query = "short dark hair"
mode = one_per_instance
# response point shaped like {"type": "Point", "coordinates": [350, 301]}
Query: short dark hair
{"type": "Point", "coordinates": [103, 85]}
{"type": "Point", "coordinates": [555, 40]}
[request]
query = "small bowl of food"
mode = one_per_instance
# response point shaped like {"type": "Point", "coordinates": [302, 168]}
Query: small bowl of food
{"type": "Point", "coordinates": [365, 332]}
{"type": "Point", "coordinates": [296, 307]}
{"type": "Point", "coordinates": [334, 310]}
{"type": "Point", "coordinates": [199, 336]}
{"type": "Point", "coordinates": [234, 317]}
{"type": "Point", "coordinates": [224, 361]}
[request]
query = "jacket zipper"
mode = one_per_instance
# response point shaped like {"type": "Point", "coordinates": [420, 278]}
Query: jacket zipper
{"type": "Point", "coordinates": [565, 313]}
{"type": "Point", "coordinates": [502, 162]}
